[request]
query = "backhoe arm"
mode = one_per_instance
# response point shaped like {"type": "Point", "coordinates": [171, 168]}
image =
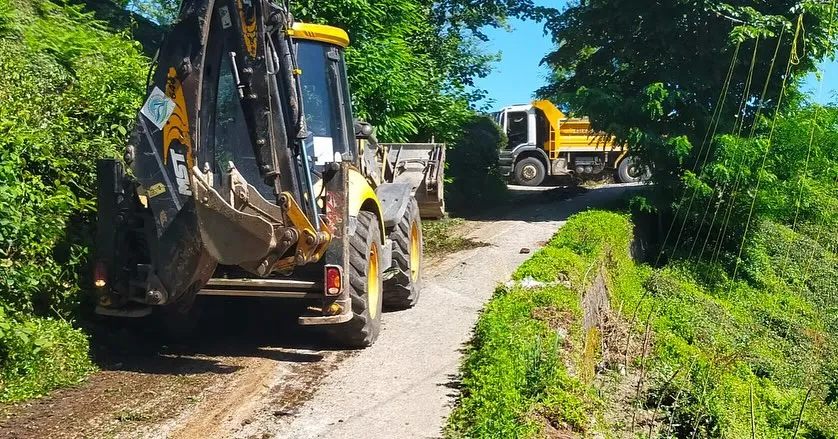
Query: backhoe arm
{"type": "Point", "coordinates": [189, 220]}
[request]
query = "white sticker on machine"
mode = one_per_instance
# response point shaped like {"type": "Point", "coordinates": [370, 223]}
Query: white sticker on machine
{"type": "Point", "coordinates": [224, 12]}
{"type": "Point", "coordinates": [324, 150]}
{"type": "Point", "coordinates": [158, 108]}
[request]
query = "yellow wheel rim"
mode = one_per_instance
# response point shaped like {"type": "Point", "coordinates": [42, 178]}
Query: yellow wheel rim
{"type": "Point", "coordinates": [415, 252]}
{"type": "Point", "coordinates": [373, 291]}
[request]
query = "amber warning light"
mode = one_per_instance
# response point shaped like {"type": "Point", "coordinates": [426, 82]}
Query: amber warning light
{"type": "Point", "coordinates": [100, 274]}
{"type": "Point", "coordinates": [334, 285]}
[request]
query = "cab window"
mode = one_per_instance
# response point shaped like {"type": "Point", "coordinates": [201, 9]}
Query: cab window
{"type": "Point", "coordinates": [517, 131]}
{"type": "Point", "coordinates": [324, 101]}
{"type": "Point", "coordinates": [227, 138]}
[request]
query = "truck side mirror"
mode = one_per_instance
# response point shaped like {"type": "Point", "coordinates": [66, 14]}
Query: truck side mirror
{"type": "Point", "coordinates": [363, 130]}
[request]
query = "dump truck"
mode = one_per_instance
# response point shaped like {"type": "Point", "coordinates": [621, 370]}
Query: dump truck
{"type": "Point", "coordinates": [247, 175]}
{"type": "Point", "coordinates": [544, 142]}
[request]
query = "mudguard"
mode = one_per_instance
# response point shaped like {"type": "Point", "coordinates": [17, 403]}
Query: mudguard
{"type": "Point", "coordinates": [394, 199]}
{"type": "Point", "coordinates": [361, 196]}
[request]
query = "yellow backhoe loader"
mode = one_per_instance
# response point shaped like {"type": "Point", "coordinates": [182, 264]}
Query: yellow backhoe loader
{"type": "Point", "coordinates": [247, 175]}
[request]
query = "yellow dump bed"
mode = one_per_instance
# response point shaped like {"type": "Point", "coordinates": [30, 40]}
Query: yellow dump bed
{"type": "Point", "coordinates": [571, 134]}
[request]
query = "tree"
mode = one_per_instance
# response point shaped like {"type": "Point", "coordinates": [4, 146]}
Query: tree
{"type": "Point", "coordinates": [651, 72]}
{"type": "Point", "coordinates": [412, 63]}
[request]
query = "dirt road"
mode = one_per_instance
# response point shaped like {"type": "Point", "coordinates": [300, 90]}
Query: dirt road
{"type": "Point", "coordinates": [242, 380]}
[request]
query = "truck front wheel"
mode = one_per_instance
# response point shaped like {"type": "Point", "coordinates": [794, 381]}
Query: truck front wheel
{"type": "Point", "coordinates": [529, 171]}
{"type": "Point", "coordinates": [630, 171]}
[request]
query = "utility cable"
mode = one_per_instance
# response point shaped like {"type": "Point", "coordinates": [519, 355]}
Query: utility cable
{"type": "Point", "coordinates": [716, 114]}
{"type": "Point", "coordinates": [741, 123]}
{"type": "Point", "coordinates": [794, 59]}
{"type": "Point", "coordinates": [715, 128]}
{"type": "Point", "coordinates": [799, 197]}
{"type": "Point", "coordinates": [735, 191]}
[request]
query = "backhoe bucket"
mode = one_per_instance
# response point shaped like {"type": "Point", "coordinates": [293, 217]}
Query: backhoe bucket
{"type": "Point", "coordinates": [230, 235]}
{"type": "Point", "coordinates": [422, 166]}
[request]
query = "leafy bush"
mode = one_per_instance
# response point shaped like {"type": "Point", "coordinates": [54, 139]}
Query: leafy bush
{"type": "Point", "coordinates": [472, 176]}
{"type": "Point", "coordinates": [38, 355]}
{"type": "Point", "coordinates": [796, 184]}
{"type": "Point", "coordinates": [69, 90]}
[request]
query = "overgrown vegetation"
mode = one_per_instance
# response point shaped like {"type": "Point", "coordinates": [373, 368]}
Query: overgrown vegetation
{"type": "Point", "coordinates": [745, 170]}
{"type": "Point", "coordinates": [521, 376]}
{"type": "Point", "coordinates": [473, 177]}
{"type": "Point", "coordinates": [724, 360]}
{"type": "Point", "coordinates": [68, 91]}
{"type": "Point", "coordinates": [446, 236]}
{"type": "Point", "coordinates": [732, 139]}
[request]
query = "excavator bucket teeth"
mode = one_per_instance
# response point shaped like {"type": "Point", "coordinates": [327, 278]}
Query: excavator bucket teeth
{"type": "Point", "coordinates": [422, 166]}
{"type": "Point", "coordinates": [231, 236]}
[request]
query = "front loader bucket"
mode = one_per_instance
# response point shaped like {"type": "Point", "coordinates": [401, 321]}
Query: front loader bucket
{"type": "Point", "coordinates": [422, 166]}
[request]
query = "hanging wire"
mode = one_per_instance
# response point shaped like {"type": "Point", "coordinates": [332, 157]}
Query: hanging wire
{"type": "Point", "coordinates": [737, 127]}
{"type": "Point", "coordinates": [799, 197]}
{"type": "Point", "coordinates": [737, 180]}
{"type": "Point", "coordinates": [713, 119]}
{"type": "Point", "coordinates": [833, 247]}
{"type": "Point", "coordinates": [794, 59]}
{"type": "Point", "coordinates": [715, 128]}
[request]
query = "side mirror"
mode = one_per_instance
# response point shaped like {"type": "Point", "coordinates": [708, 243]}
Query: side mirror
{"type": "Point", "coordinates": [363, 130]}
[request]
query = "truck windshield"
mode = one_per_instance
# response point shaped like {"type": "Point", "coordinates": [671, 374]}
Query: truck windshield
{"type": "Point", "coordinates": [496, 116]}
{"type": "Point", "coordinates": [324, 101]}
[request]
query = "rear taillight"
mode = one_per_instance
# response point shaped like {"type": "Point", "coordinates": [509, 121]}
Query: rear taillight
{"type": "Point", "coordinates": [100, 275]}
{"type": "Point", "coordinates": [334, 280]}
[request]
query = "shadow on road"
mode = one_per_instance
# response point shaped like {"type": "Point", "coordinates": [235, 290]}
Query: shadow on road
{"type": "Point", "coordinates": [539, 204]}
{"type": "Point", "coordinates": [216, 329]}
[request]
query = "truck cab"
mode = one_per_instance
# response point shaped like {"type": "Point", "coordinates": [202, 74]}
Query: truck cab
{"type": "Point", "coordinates": [543, 142]}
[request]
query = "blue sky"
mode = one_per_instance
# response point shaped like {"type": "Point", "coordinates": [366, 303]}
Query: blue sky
{"type": "Point", "coordinates": [518, 75]}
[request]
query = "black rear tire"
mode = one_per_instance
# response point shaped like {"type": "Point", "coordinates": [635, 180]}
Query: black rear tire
{"type": "Point", "coordinates": [365, 286]}
{"type": "Point", "coordinates": [530, 171]}
{"type": "Point", "coordinates": [630, 171]}
{"type": "Point", "coordinates": [402, 290]}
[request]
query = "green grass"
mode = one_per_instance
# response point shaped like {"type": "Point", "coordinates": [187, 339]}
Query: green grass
{"type": "Point", "coordinates": [446, 236]}
{"type": "Point", "coordinates": [715, 344]}
{"type": "Point", "coordinates": [514, 378]}
{"type": "Point", "coordinates": [517, 376]}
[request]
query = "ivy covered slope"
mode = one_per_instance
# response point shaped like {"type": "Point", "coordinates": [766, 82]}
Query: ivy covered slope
{"type": "Point", "coordinates": [69, 90]}
{"type": "Point", "coordinates": [710, 358]}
